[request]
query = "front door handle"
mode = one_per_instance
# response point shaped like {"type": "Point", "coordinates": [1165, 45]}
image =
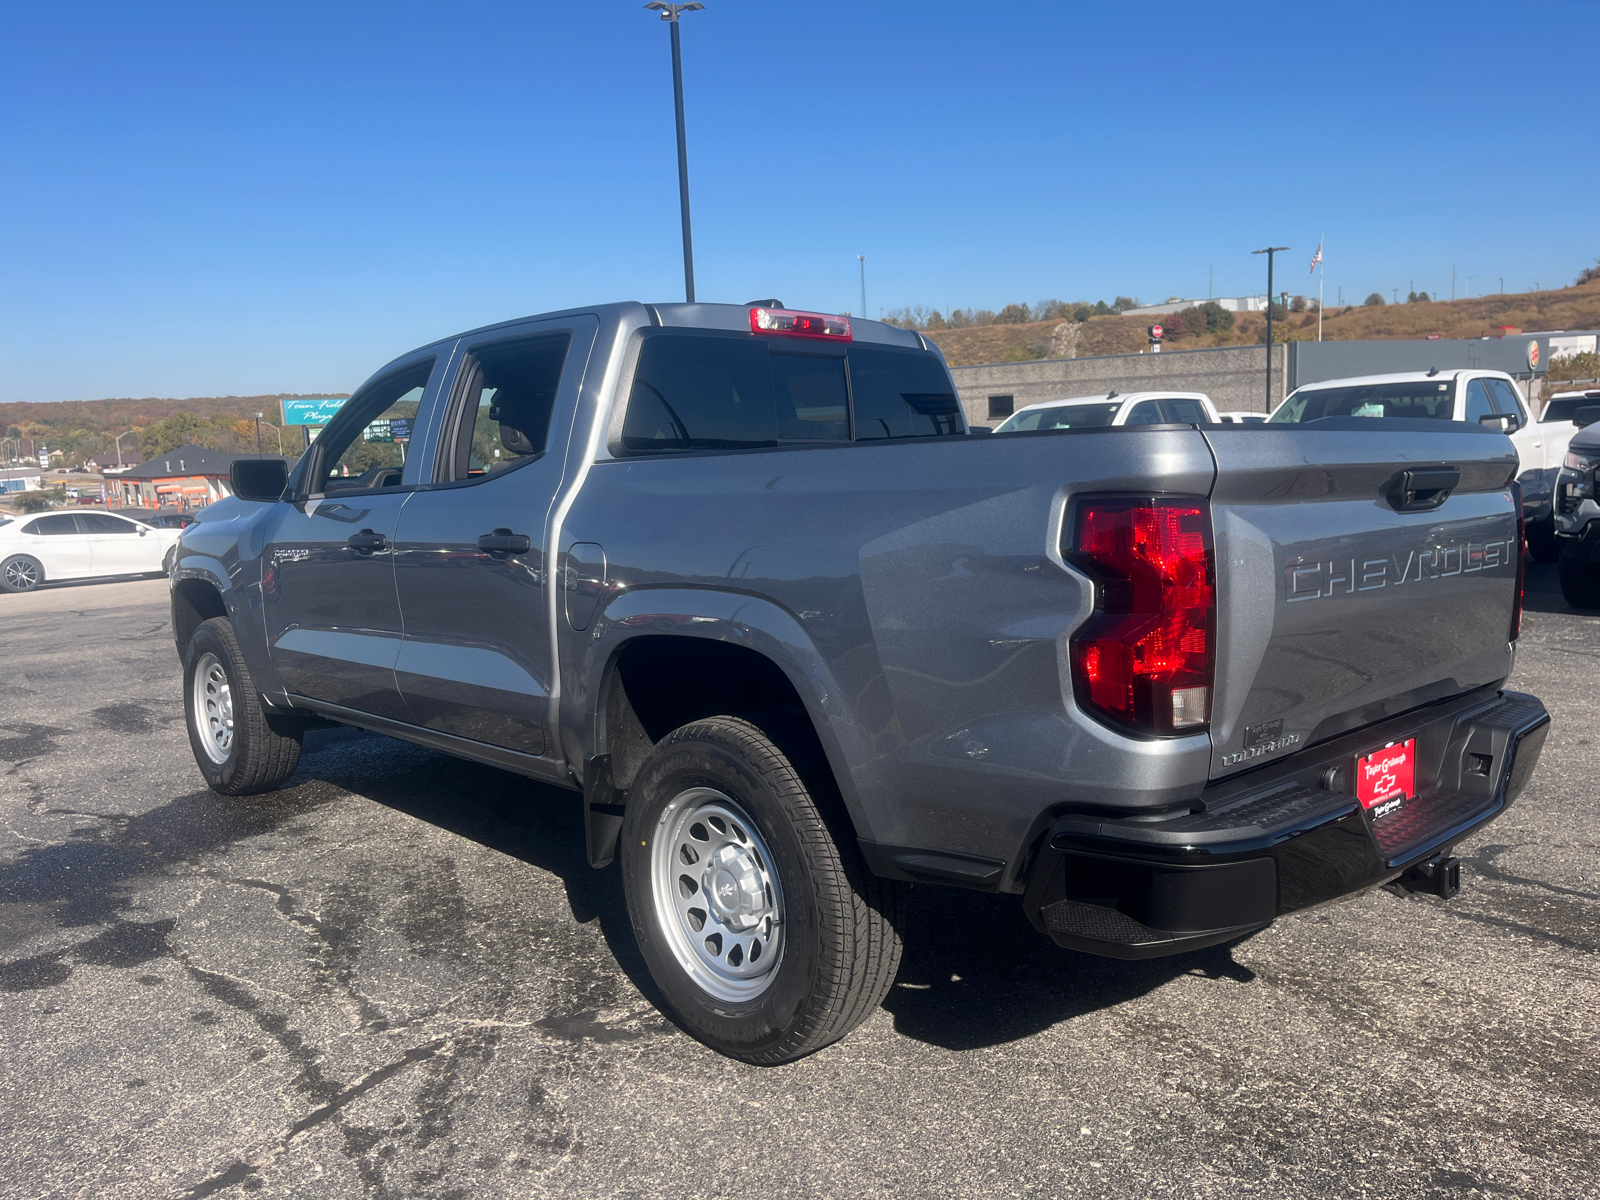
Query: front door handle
{"type": "Point", "coordinates": [366, 541]}
{"type": "Point", "coordinates": [502, 542]}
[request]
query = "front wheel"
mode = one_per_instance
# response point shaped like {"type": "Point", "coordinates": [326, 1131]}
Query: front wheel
{"type": "Point", "coordinates": [768, 937]}
{"type": "Point", "coordinates": [237, 751]}
{"type": "Point", "coordinates": [21, 573]}
{"type": "Point", "coordinates": [1580, 583]}
{"type": "Point", "coordinates": [1542, 544]}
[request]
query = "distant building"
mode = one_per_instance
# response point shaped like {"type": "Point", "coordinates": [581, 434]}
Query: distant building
{"type": "Point", "coordinates": [110, 462]}
{"type": "Point", "coordinates": [1231, 303]}
{"type": "Point", "coordinates": [19, 479]}
{"type": "Point", "coordinates": [189, 477]}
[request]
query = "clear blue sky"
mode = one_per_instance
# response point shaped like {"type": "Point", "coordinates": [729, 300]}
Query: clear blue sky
{"type": "Point", "coordinates": [216, 198]}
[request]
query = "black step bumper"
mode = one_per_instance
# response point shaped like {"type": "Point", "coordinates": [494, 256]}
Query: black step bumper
{"type": "Point", "coordinates": [1277, 839]}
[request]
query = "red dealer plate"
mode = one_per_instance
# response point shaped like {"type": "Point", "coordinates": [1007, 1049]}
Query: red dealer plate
{"type": "Point", "coordinates": [1385, 779]}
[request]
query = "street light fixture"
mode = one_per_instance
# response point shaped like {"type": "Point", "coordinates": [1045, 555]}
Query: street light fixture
{"type": "Point", "coordinates": [1269, 251]}
{"type": "Point", "coordinates": [670, 14]}
{"type": "Point", "coordinates": [118, 440]}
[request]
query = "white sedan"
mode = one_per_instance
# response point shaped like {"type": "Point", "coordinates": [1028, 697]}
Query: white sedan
{"type": "Point", "coordinates": [79, 545]}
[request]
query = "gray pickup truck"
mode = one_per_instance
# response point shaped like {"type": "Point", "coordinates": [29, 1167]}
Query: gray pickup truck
{"type": "Point", "coordinates": [743, 579]}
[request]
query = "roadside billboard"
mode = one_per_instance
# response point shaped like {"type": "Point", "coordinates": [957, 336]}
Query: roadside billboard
{"type": "Point", "coordinates": [314, 411]}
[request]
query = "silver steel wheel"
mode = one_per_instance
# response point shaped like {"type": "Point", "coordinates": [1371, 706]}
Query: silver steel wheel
{"type": "Point", "coordinates": [22, 575]}
{"type": "Point", "coordinates": [213, 708]}
{"type": "Point", "coordinates": [717, 894]}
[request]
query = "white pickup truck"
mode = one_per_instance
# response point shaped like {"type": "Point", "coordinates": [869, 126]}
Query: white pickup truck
{"type": "Point", "coordinates": [1489, 398]}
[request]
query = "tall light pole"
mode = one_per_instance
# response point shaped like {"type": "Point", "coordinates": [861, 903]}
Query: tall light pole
{"type": "Point", "coordinates": [862, 259]}
{"type": "Point", "coordinates": [118, 440]}
{"type": "Point", "coordinates": [1269, 251]}
{"type": "Point", "coordinates": [669, 13]}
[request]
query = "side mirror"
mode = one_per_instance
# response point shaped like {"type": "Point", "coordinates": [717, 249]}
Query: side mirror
{"type": "Point", "coordinates": [1504, 422]}
{"type": "Point", "coordinates": [1586, 416]}
{"type": "Point", "coordinates": [261, 479]}
{"type": "Point", "coordinates": [980, 429]}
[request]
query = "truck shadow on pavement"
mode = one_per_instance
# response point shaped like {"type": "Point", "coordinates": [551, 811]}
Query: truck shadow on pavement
{"type": "Point", "coordinates": [975, 972]}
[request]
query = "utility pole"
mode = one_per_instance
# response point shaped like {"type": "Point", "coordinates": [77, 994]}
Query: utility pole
{"type": "Point", "coordinates": [258, 432]}
{"type": "Point", "coordinates": [118, 440]}
{"type": "Point", "coordinates": [1211, 282]}
{"type": "Point", "coordinates": [1452, 283]}
{"type": "Point", "coordinates": [862, 259]}
{"type": "Point", "coordinates": [670, 13]}
{"type": "Point", "coordinates": [1395, 293]}
{"type": "Point", "coordinates": [1269, 251]}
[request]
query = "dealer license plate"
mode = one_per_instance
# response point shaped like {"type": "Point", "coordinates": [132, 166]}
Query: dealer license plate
{"type": "Point", "coordinates": [1386, 778]}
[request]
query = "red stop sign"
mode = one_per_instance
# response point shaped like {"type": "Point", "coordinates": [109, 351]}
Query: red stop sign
{"type": "Point", "coordinates": [1156, 331]}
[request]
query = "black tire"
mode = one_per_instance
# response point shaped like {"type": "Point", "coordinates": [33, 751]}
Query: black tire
{"type": "Point", "coordinates": [21, 573]}
{"type": "Point", "coordinates": [258, 758]}
{"type": "Point", "coordinates": [1580, 583]}
{"type": "Point", "coordinates": [840, 923]}
{"type": "Point", "coordinates": [1542, 544]}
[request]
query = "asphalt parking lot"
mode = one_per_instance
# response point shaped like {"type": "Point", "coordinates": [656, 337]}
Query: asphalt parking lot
{"type": "Point", "coordinates": [399, 978]}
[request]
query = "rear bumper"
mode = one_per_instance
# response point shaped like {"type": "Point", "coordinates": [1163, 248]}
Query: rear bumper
{"type": "Point", "coordinates": [1283, 837]}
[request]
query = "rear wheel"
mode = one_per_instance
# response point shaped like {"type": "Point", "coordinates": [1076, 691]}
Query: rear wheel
{"type": "Point", "coordinates": [21, 573]}
{"type": "Point", "coordinates": [768, 937]}
{"type": "Point", "coordinates": [1580, 583]}
{"type": "Point", "coordinates": [235, 747]}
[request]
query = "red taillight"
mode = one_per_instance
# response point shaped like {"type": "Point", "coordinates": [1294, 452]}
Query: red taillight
{"type": "Point", "coordinates": [799, 324]}
{"type": "Point", "coordinates": [1522, 567]}
{"type": "Point", "coordinates": [1146, 659]}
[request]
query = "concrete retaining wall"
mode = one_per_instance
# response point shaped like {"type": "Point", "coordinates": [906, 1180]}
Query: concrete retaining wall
{"type": "Point", "coordinates": [1233, 376]}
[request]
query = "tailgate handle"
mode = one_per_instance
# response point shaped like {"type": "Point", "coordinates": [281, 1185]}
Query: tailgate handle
{"type": "Point", "coordinates": [1419, 491]}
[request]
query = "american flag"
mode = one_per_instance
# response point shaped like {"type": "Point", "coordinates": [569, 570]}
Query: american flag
{"type": "Point", "coordinates": [1316, 258]}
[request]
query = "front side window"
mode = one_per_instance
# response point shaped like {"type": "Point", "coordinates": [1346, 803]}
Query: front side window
{"type": "Point", "coordinates": [105, 523]}
{"type": "Point", "coordinates": [1478, 403]}
{"type": "Point", "coordinates": [1185, 412]}
{"type": "Point", "coordinates": [1146, 412]}
{"type": "Point", "coordinates": [366, 449]}
{"type": "Point", "coordinates": [1424, 398]}
{"type": "Point", "coordinates": [1505, 398]}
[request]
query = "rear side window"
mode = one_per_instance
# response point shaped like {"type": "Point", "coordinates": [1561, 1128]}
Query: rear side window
{"type": "Point", "coordinates": [1185, 412]}
{"type": "Point", "coordinates": [699, 392]}
{"type": "Point", "coordinates": [56, 523]}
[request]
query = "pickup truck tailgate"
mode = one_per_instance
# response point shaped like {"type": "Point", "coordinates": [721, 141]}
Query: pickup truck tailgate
{"type": "Point", "coordinates": [1344, 597]}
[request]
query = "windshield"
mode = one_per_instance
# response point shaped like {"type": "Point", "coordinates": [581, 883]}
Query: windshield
{"type": "Point", "coordinates": [1420, 398]}
{"type": "Point", "coordinates": [1062, 416]}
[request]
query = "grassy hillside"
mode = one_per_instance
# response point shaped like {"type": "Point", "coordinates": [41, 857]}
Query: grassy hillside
{"type": "Point", "coordinates": [1568, 308]}
{"type": "Point", "coordinates": [85, 427]}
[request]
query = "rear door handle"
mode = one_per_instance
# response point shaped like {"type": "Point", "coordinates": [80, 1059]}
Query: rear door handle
{"type": "Point", "coordinates": [366, 541]}
{"type": "Point", "coordinates": [503, 542]}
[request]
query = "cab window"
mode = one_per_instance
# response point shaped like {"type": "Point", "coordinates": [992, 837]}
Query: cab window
{"type": "Point", "coordinates": [1146, 412]}
{"type": "Point", "coordinates": [1185, 412]}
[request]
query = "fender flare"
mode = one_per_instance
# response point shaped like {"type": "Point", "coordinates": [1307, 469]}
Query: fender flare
{"type": "Point", "coordinates": [713, 614]}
